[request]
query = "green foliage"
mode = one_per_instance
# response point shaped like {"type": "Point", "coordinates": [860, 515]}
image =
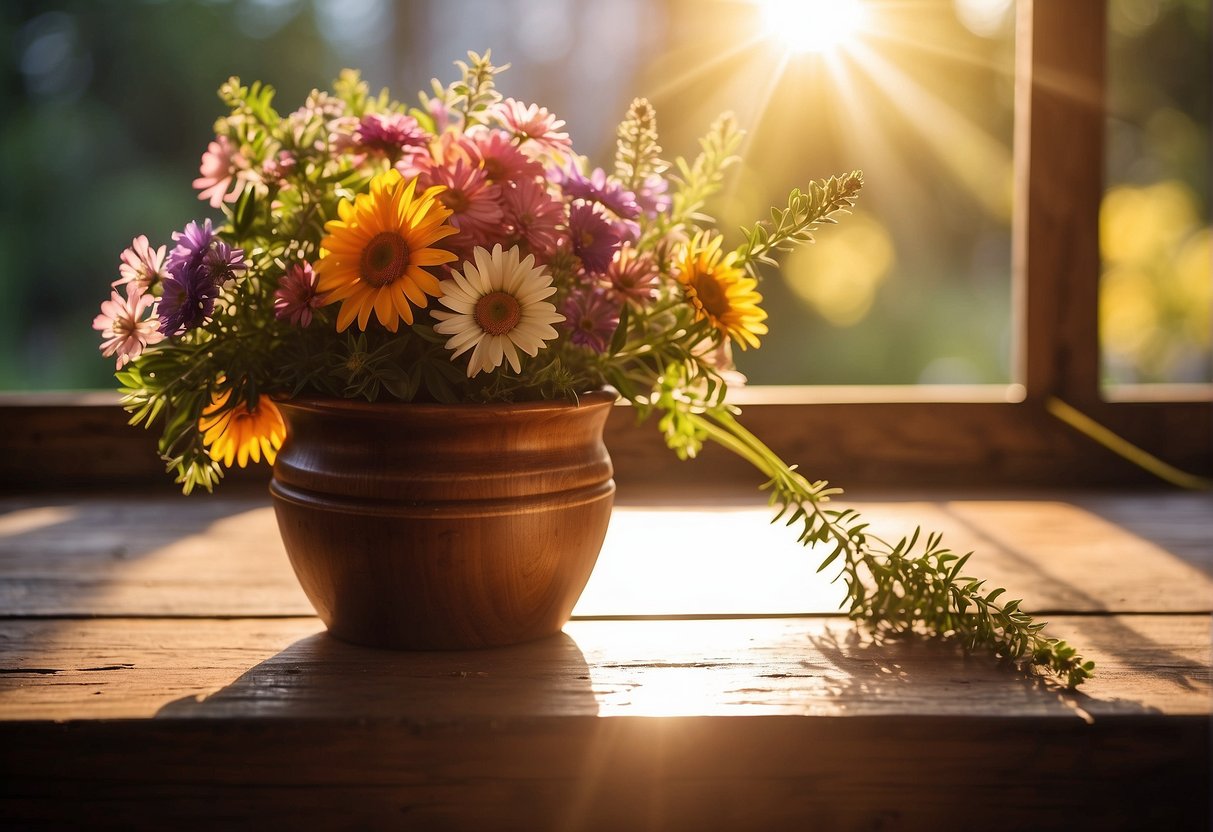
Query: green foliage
{"type": "Point", "coordinates": [794, 225]}
{"type": "Point", "coordinates": [697, 181]}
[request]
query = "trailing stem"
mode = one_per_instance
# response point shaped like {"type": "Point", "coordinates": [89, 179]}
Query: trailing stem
{"type": "Point", "coordinates": [915, 584]}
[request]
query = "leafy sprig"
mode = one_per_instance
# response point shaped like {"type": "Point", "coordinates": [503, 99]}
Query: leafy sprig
{"type": "Point", "coordinates": [697, 181]}
{"type": "Point", "coordinates": [916, 585]}
{"type": "Point", "coordinates": [638, 155]}
{"type": "Point", "coordinates": [794, 225]}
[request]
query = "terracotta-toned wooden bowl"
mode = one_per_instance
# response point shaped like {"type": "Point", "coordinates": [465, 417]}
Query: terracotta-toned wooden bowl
{"type": "Point", "coordinates": [423, 526]}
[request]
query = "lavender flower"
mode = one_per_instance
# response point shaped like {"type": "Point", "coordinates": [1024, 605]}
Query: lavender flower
{"type": "Point", "coordinates": [593, 237]}
{"type": "Point", "coordinates": [192, 244]}
{"type": "Point", "coordinates": [652, 197]}
{"type": "Point", "coordinates": [591, 317]}
{"type": "Point", "coordinates": [597, 188]}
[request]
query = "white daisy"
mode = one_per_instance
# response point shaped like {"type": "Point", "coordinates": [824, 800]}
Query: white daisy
{"type": "Point", "coordinates": [497, 307]}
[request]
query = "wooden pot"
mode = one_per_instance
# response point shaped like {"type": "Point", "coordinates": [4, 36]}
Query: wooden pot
{"type": "Point", "coordinates": [424, 526]}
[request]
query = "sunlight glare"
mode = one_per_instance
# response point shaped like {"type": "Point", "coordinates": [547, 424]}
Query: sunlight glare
{"type": "Point", "coordinates": [812, 25]}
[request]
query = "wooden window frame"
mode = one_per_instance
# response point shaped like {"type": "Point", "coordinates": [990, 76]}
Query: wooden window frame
{"type": "Point", "coordinates": [869, 436]}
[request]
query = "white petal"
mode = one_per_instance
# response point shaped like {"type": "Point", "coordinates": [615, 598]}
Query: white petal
{"type": "Point", "coordinates": [511, 354]}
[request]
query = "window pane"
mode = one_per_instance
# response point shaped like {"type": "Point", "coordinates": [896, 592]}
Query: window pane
{"type": "Point", "coordinates": [1156, 291]}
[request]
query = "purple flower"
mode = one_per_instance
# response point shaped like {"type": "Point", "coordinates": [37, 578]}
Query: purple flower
{"type": "Point", "coordinates": [591, 317]}
{"type": "Point", "coordinates": [188, 299]}
{"type": "Point", "coordinates": [593, 237]}
{"type": "Point", "coordinates": [597, 188]}
{"type": "Point", "coordinates": [192, 245]}
{"type": "Point", "coordinates": [197, 269]}
{"type": "Point", "coordinates": [651, 197]}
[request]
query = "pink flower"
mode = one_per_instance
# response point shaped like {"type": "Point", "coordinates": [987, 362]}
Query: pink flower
{"type": "Point", "coordinates": [633, 275]}
{"type": "Point", "coordinates": [278, 168]}
{"type": "Point", "coordinates": [221, 164]}
{"type": "Point", "coordinates": [126, 328]}
{"type": "Point", "coordinates": [141, 264]}
{"type": "Point", "coordinates": [296, 296]}
{"type": "Point", "coordinates": [501, 159]}
{"type": "Point", "coordinates": [533, 214]}
{"type": "Point", "coordinates": [475, 202]}
{"type": "Point", "coordinates": [534, 127]}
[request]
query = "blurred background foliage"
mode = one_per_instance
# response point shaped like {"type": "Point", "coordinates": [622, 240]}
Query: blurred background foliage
{"type": "Point", "coordinates": [107, 105]}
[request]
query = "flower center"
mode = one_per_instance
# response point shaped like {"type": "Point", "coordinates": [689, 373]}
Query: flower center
{"type": "Point", "coordinates": [454, 199]}
{"type": "Point", "coordinates": [710, 295]}
{"type": "Point", "coordinates": [497, 313]}
{"type": "Point", "coordinates": [494, 170]}
{"type": "Point", "coordinates": [385, 258]}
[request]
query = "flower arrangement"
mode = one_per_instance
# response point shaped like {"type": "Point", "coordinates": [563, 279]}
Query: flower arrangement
{"type": "Point", "coordinates": [461, 251]}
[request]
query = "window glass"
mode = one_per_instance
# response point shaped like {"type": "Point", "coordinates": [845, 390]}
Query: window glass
{"type": "Point", "coordinates": [1156, 289]}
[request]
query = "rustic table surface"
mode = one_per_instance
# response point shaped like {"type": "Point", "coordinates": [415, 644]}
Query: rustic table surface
{"type": "Point", "coordinates": [159, 667]}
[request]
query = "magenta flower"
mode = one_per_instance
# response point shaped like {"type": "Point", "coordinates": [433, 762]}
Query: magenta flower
{"type": "Point", "coordinates": [633, 275]}
{"type": "Point", "coordinates": [141, 264]}
{"type": "Point", "coordinates": [593, 237]}
{"type": "Point", "coordinates": [125, 325]}
{"type": "Point", "coordinates": [220, 169]}
{"type": "Point", "coordinates": [597, 188]}
{"type": "Point", "coordinates": [534, 128]}
{"type": "Point", "coordinates": [533, 215]}
{"type": "Point", "coordinates": [296, 295]}
{"type": "Point", "coordinates": [389, 134]}
{"type": "Point", "coordinates": [591, 318]}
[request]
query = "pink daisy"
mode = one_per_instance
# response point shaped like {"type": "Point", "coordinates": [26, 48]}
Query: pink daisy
{"type": "Point", "coordinates": [296, 296]}
{"type": "Point", "coordinates": [141, 264]}
{"type": "Point", "coordinates": [533, 214]}
{"type": "Point", "coordinates": [125, 325]}
{"type": "Point", "coordinates": [475, 202]}
{"type": "Point", "coordinates": [533, 124]}
{"type": "Point", "coordinates": [591, 318]}
{"type": "Point", "coordinates": [501, 159]}
{"type": "Point", "coordinates": [220, 169]}
{"type": "Point", "coordinates": [633, 275]}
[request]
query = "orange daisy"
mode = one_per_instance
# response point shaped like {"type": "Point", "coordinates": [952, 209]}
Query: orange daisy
{"type": "Point", "coordinates": [720, 291]}
{"type": "Point", "coordinates": [376, 255]}
{"type": "Point", "coordinates": [237, 434]}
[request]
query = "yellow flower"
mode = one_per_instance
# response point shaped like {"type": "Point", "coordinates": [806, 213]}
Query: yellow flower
{"type": "Point", "coordinates": [375, 256]}
{"type": "Point", "coordinates": [237, 433]}
{"type": "Point", "coordinates": [720, 290]}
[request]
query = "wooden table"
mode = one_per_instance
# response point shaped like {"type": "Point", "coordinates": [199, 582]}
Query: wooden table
{"type": "Point", "coordinates": [159, 668]}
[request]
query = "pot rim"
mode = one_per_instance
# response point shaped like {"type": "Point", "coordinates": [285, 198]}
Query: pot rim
{"type": "Point", "coordinates": [336, 404]}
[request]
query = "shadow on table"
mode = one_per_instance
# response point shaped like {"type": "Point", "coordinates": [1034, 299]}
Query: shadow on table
{"type": "Point", "coordinates": [905, 667]}
{"type": "Point", "coordinates": [319, 676]}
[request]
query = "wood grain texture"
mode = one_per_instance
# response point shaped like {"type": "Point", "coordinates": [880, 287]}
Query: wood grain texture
{"type": "Point", "coordinates": [808, 667]}
{"type": "Point", "coordinates": [1063, 552]}
{"type": "Point", "coordinates": [1060, 112]}
{"type": "Point", "coordinates": [693, 725]}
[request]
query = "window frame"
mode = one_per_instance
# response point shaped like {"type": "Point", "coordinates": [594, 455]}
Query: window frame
{"type": "Point", "coordinates": [868, 436]}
